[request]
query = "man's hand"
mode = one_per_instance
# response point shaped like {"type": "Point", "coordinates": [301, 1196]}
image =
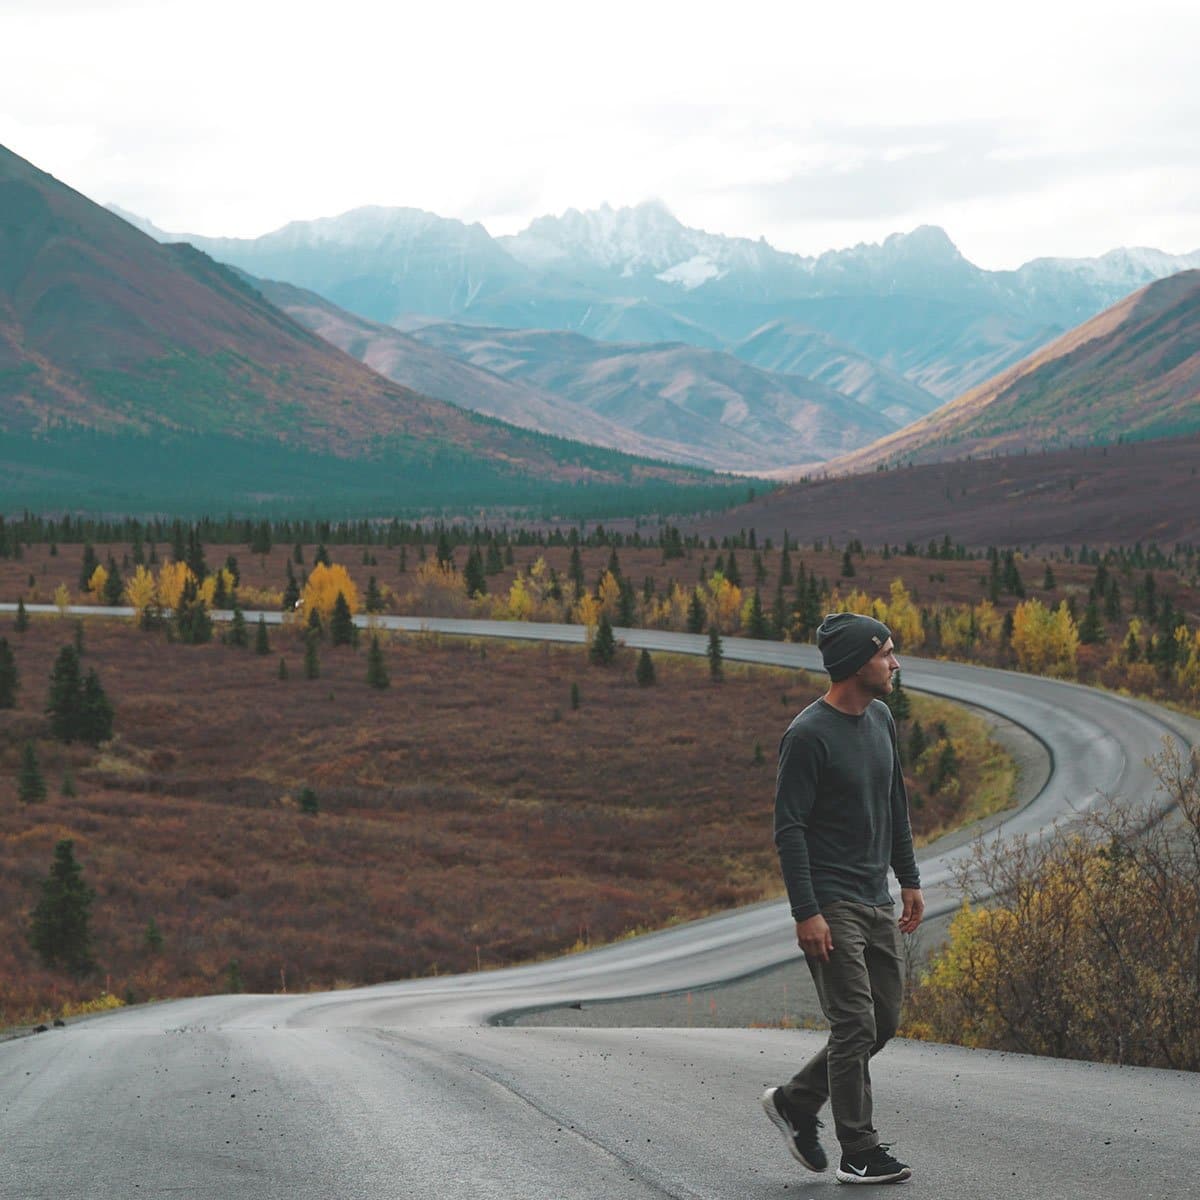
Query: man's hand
{"type": "Point", "coordinates": [814, 938]}
{"type": "Point", "coordinates": [913, 911]}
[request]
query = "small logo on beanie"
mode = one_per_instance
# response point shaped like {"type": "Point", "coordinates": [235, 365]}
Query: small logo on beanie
{"type": "Point", "coordinates": [876, 640]}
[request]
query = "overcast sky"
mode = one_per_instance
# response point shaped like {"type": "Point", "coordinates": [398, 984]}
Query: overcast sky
{"type": "Point", "coordinates": [1024, 129]}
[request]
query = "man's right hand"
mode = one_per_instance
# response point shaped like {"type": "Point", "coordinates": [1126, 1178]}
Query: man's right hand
{"type": "Point", "coordinates": [814, 938]}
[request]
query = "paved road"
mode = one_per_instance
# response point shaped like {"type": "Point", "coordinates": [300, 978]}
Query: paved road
{"type": "Point", "coordinates": [406, 1089]}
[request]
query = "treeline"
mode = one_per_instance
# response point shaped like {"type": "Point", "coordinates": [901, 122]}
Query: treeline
{"type": "Point", "coordinates": [29, 529]}
{"type": "Point", "coordinates": [208, 472]}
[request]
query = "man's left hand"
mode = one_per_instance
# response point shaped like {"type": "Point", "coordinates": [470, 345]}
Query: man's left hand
{"type": "Point", "coordinates": [913, 910]}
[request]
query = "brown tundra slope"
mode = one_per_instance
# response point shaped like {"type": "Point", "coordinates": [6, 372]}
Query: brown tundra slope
{"type": "Point", "coordinates": [1131, 372]}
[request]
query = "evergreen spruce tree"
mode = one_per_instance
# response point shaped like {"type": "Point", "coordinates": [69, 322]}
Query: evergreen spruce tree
{"type": "Point", "coordinates": [192, 623]}
{"type": "Point", "coordinates": [152, 939]}
{"type": "Point", "coordinates": [897, 699]}
{"type": "Point", "coordinates": [308, 802]}
{"type": "Point", "coordinates": [322, 556]}
{"type": "Point", "coordinates": [195, 555]}
{"type": "Point", "coordinates": [342, 630]}
{"type": "Point", "coordinates": [114, 585]}
{"type": "Point", "coordinates": [238, 634]}
{"type": "Point", "coordinates": [697, 616]}
{"type": "Point", "coordinates": [445, 554]}
{"type": "Point", "coordinates": [31, 787]}
{"type": "Point", "coordinates": [312, 663]}
{"type": "Point", "coordinates": [21, 624]}
{"type": "Point", "coordinates": [731, 571]}
{"type": "Point", "coordinates": [64, 704]}
{"type": "Point", "coordinates": [917, 743]}
{"type": "Point", "coordinates": [374, 599]}
{"type": "Point", "coordinates": [779, 615]}
{"type": "Point", "coordinates": [1091, 628]}
{"type": "Point", "coordinates": [645, 669]}
{"type": "Point", "coordinates": [1049, 583]}
{"type": "Point", "coordinates": [715, 654]}
{"type": "Point", "coordinates": [298, 554]}
{"type": "Point", "coordinates": [575, 572]}
{"type": "Point", "coordinates": [377, 672]}
{"type": "Point", "coordinates": [756, 626]}
{"type": "Point", "coordinates": [283, 668]}
{"type": "Point", "coordinates": [260, 540]}
{"type": "Point", "coordinates": [67, 787]}
{"type": "Point", "coordinates": [78, 639]}
{"type": "Point", "coordinates": [291, 592]}
{"type": "Point", "coordinates": [10, 678]}
{"type": "Point", "coordinates": [604, 645]}
{"type": "Point", "coordinates": [847, 565]}
{"type": "Point", "coordinates": [474, 575]}
{"type": "Point", "coordinates": [786, 578]}
{"type": "Point", "coordinates": [59, 931]}
{"type": "Point", "coordinates": [96, 713]}
{"type": "Point", "coordinates": [494, 562]}
{"type": "Point", "coordinates": [626, 605]}
{"type": "Point", "coordinates": [313, 624]}
{"type": "Point", "coordinates": [88, 567]}
{"type": "Point", "coordinates": [262, 643]}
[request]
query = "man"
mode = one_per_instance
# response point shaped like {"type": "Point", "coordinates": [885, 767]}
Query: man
{"type": "Point", "coordinates": [841, 819]}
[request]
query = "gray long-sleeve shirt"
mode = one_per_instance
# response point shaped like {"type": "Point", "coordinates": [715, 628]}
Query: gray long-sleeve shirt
{"type": "Point", "coordinates": [841, 809]}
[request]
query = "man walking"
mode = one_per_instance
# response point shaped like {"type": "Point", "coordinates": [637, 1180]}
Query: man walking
{"type": "Point", "coordinates": [841, 819]}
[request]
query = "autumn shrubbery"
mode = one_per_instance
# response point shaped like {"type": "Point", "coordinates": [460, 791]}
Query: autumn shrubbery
{"type": "Point", "coordinates": [1084, 943]}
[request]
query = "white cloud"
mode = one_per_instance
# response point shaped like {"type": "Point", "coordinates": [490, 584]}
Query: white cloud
{"type": "Point", "coordinates": [813, 125]}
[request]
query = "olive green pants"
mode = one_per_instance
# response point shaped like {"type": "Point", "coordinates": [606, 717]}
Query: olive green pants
{"type": "Point", "coordinates": [860, 990]}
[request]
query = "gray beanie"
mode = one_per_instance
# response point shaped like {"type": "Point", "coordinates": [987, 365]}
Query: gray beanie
{"type": "Point", "coordinates": [848, 640]}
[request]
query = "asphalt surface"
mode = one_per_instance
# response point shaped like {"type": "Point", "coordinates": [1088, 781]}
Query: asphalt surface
{"type": "Point", "coordinates": [413, 1089]}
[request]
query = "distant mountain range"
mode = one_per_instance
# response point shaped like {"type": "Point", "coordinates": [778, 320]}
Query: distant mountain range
{"type": "Point", "coordinates": [912, 305]}
{"type": "Point", "coordinates": [673, 401]}
{"type": "Point", "coordinates": [1133, 372]}
{"type": "Point", "coordinates": [130, 369]}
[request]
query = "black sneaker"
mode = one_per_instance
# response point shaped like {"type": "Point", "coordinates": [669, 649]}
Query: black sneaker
{"type": "Point", "coordinates": [872, 1166]}
{"type": "Point", "coordinates": [799, 1131]}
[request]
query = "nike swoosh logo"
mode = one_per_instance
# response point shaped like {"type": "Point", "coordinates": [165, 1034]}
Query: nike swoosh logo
{"type": "Point", "coordinates": [856, 1170]}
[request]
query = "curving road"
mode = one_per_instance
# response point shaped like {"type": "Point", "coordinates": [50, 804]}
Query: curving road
{"type": "Point", "coordinates": [411, 1089]}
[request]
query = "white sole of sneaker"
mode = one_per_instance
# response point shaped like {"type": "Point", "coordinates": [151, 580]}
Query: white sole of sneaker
{"type": "Point", "coordinates": [850, 1177]}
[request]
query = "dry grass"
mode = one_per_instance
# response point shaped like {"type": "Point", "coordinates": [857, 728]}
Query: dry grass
{"type": "Point", "coordinates": [467, 815]}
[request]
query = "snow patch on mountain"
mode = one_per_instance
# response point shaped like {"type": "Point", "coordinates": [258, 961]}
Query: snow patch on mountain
{"type": "Point", "coordinates": [692, 273]}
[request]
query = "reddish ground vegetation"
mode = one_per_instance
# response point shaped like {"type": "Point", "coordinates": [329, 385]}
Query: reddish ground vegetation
{"type": "Point", "coordinates": [468, 815]}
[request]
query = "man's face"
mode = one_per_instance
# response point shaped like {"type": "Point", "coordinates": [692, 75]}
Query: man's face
{"type": "Point", "coordinates": [876, 673]}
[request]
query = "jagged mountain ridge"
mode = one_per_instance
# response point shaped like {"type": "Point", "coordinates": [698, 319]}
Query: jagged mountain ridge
{"type": "Point", "coordinates": [639, 274]}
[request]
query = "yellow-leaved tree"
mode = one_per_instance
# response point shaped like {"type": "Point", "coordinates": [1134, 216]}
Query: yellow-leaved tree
{"type": "Point", "coordinates": [324, 584]}
{"type": "Point", "coordinates": [140, 589]}
{"type": "Point", "coordinates": [1045, 641]}
{"type": "Point", "coordinates": [519, 605]}
{"type": "Point", "coordinates": [172, 578]}
{"type": "Point", "coordinates": [609, 595]}
{"type": "Point", "coordinates": [62, 599]}
{"type": "Point", "coordinates": [903, 617]}
{"type": "Point", "coordinates": [724, 603]}
{"type": "Point", "coordinates": [96, 584]}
